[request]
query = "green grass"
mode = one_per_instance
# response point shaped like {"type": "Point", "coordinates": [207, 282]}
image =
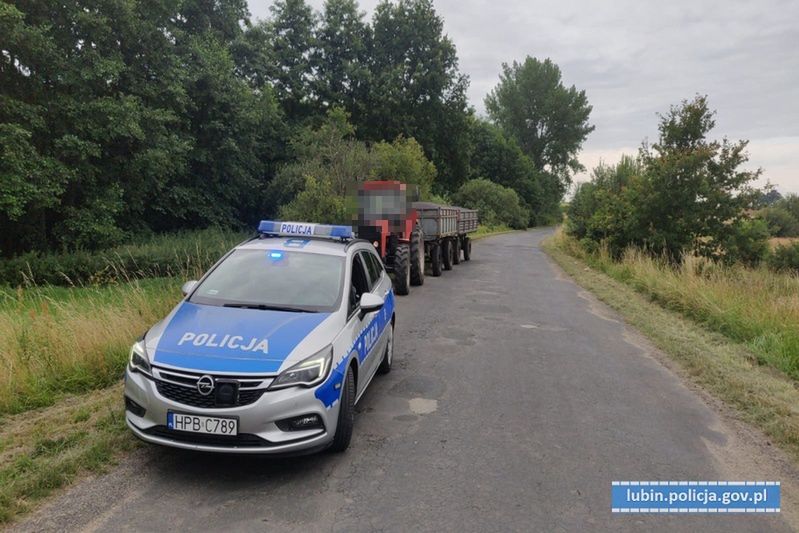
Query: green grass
{"type": "Point", "coordinates": [44, 450]}
{"type": "Point", "coordinates": [490, 229]}
{"type": "Point", "coordinates": [690, 316]}
{"type": "Point", "coordinates": [56, 340]}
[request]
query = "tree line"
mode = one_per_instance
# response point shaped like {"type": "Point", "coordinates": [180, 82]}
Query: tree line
{"type": "Point", "coordinates": [123, 117]}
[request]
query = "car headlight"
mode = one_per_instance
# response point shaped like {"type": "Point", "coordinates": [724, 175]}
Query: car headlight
{"type": "Point", "coordinates": [139, 362]}
{"type": "Point", "coordinates": [306, 373]}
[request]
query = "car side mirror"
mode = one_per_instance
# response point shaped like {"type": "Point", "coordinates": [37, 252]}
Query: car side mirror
{"type": "Point", "coordinates": [188, 286]}
{"type": "Point", "coordinates": [370, 302]}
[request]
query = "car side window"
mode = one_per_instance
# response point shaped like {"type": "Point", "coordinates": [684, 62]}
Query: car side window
{"type": "Point", "coordinates": [372, 263]}
{"type": "Point", "coordinates": [359, 282]}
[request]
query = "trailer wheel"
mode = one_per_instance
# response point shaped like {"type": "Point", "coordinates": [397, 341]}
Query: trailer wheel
{"type": "Point", "coordinates": [417, 257]}
{"type": "Point", "coordinates": [447, 254]}
{"type": "Point", "coordinates": [467, 249]}
{"type": "Point", "coordinates": [402, 270]}
{"type": "Point", "coordinates": [456, 251]}
{"type": "Point", "coordinates": [435, 259]}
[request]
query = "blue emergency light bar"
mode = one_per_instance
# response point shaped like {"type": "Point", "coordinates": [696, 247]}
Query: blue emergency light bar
{"type": "Point", "coordinates": [304, 229]}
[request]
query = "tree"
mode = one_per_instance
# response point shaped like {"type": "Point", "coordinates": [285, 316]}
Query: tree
{"type": "Point", "coordinates": [696, 192]}
{"type": "Point", "coordinates": [290, 34]}
{"type": "Point", "coordinates": [683, 194]}
{"type": "Point", "coordinates": [547, 119]}
{"type": "Point", "coordinates": [341, 58]}
{"type": "Point", "coordinates": [416, 89]}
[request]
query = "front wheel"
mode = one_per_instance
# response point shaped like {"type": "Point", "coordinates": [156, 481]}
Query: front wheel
{"type": "Point", "coordinates": [402, 270]}
{"type": "Point", "coordinates": [467, 249]}
{"type": "Point", "coordinates": [346, 415]}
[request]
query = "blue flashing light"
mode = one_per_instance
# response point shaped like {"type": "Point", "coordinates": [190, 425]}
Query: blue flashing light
{"type": "Point", "coordinates": [276, 255]}
{"type": "Point", "coordinates": [304, 229]}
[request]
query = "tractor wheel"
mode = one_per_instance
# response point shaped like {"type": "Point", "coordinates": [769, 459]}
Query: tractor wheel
{"type": "Point", "coordinates": [417, 257]}
{"type": "Point", "coordinates": [456, 251]}
{"type": "Point", "coordinates": [402, 270]}
{"type": "Point", "coordinates": [447, 254]}
{"type": "Point", "coordinates": [467, 249]}
{"type": "Point", "coordinates": [435, 259]}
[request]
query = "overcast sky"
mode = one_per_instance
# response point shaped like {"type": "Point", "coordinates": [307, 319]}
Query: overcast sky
{"type": "Point", "coordinates": [635, 58]}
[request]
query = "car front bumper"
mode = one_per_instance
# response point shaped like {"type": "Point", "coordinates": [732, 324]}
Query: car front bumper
{"type": "Point", "coordinates": [258, 432]}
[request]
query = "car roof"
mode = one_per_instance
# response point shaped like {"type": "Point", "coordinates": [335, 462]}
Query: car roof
{"type": "Point", "coordinates": [300, 244]}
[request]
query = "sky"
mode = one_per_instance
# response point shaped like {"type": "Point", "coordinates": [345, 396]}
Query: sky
{"type": "Point", "coordinates": [635, 58]}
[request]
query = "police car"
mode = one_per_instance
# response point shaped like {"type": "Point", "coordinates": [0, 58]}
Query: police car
{"type": "Point", "coordinates": [270, 351]}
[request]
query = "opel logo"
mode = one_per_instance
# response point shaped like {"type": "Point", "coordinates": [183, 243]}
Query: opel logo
{"type": "Point", "coordinates": [205, 385]}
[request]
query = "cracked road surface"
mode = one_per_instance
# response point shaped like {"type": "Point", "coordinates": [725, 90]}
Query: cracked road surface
{"type": "Point", "coordinates": [514, 401]}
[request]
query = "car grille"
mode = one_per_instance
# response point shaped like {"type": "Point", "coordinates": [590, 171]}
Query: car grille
{"type": "Point", "coordinates": [243, 439]}
{"type": "Point", "coordinates": [181, 387]}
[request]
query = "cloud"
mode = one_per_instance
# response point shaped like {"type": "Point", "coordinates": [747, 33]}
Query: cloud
{"type": "Point", "coordinates": [635, 59]}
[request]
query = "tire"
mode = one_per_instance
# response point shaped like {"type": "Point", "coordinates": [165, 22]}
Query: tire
{"type": "Point", "coordinates": [447, 251]}
{"type": "Point", "coordinates": [346, 415]}
{"type": "Point", "coordinates": [388, 355]}
{"type": "Point", "coordinates": [456, 251]}
{"type": "Point", "coordinates": [402, 270]}
{"type": "Point", "coordinates": [417, 257]}
{"type": "Point", "coordinates": [467, 249]}
{"type": "Point", "coordinates": [436, 259]}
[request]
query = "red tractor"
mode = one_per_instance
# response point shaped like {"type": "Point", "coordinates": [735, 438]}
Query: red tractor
{"type": "Point", "coordinates": [386, 219]}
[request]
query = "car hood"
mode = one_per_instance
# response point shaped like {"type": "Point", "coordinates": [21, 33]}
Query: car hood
{"type": "Point", "coordinates": [210, 338]}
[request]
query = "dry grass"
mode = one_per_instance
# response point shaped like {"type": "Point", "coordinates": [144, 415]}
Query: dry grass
{"type": "Point", "coordinates": [66, 340]}
{"type": "Point", "coordinates": [782, 241]}
{"type": "Point", "coordinates": [757, 307]}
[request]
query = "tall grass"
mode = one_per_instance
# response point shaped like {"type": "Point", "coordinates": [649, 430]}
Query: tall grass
{"type": "Point", "coordinates": [757, 307]}
{"type": "Point", "coordinates": [55, 340]}
{"type": "Point", "coordinates": [157, 256]}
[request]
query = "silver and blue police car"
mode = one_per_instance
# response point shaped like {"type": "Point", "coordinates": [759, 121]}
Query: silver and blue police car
{"type": "Point", "coordinates": [270, 351]}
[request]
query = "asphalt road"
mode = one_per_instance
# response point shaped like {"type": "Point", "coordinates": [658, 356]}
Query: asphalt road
{"type": "Point", "coordinates": [514, 401]}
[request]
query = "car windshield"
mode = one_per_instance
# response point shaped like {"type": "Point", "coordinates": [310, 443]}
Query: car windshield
{"type": "Point", "coordinates": [271, 279]}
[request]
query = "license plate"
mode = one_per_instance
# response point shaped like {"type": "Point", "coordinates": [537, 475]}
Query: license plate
{"type": "Point", "coordinates": [209, 425]}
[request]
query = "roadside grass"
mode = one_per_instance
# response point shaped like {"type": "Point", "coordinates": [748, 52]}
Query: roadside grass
{"type": "Point", "coordinates": [43, 450]}
{"type": "Point", "coordinates": [489, 229]}
{"type": "Point", "coordinates": [692, 317]}
{"type": "Point", "coordinates": [57, 340]}
{"type": "Point", "coordinates": [756, 307]}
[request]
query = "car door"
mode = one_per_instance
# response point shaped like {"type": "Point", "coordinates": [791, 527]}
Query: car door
{"type": "Point", "coordinates": [359, 283]}
{"type": "Point", "coordinates": [371, 326]}
{"type": "Point", "coordinates": [381, 286]}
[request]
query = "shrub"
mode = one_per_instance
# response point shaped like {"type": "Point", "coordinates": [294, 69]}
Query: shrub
{"type": "Point", "coordinates": [749, 243]}
{"type": "Point", "coordinates": [316, 202]}
{"type": "Point", "coordinates": [781, 222]}
{"type": "Point", "coordinates": [497, 204]}
{"type": "Point", "coordinates": [785, 258]}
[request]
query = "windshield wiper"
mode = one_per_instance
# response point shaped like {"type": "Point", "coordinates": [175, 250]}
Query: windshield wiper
{"type": "Point", "coordinates": [264, 307]}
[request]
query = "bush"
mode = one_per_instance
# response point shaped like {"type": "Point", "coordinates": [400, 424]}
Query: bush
{"type": "Point", "coordinates": [749, 243]}
{"type": "Point", "coordinates": [317, 202]}
{"type": "Point", "coordinates": [497, 204]}
{"type": "Point", "coordinates": [781, 222]}
{"type": "Point", "coordinates": [785, 258]}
